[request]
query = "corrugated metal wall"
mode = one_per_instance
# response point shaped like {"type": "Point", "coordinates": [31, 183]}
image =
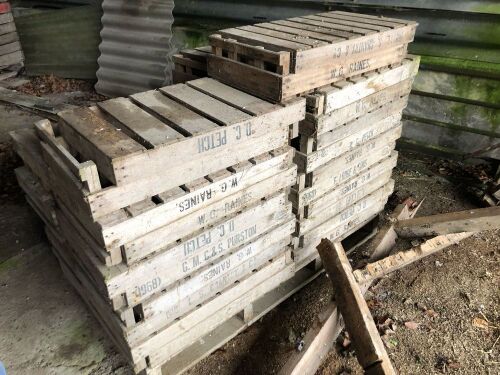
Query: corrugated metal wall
{"type": "Point", "coordinates": [454, 109]}
{"type": "Point", "coordinates": [63, 42]}
{"type": "Point", "coordinates": [134, 52]}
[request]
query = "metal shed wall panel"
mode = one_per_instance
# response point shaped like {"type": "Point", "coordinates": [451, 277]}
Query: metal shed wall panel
{"type": "Point", "coordinates": [135, 47]}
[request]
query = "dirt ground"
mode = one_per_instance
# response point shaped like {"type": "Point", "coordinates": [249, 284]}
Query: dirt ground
{"type": "Point", "coordinates": [441, 315]}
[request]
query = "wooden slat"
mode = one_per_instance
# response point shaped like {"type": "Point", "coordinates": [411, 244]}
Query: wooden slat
{"type": "Point", "coordinates": [362, 20]}
{"type": "Point", "coordinates": [276, 26]}
{"type": "Point", "coordinates": [308, 41]}
{"type": "Point", "coordinates": [236, 98]}
{"type": "Point", "coordinates": [176, 115]}
{"type": "Point", "coordinates": [305, 24]}
{"type": "Point", "coordinates": [205, 104]}
{"type": "Point", "coordinates": [262, 83]}
{"type": "Point", "coordinates": [97, 140]}
{"type": "Point", "coordinates": [474, 220]}
{"type": "Point", "coordinates": [339, 20]}
{"type": "Point", "coordinates": [145, 128]}
{"type": "Point", "coordinates": [319, 21]}
{"type": "Point", "coordinates": [274, 44]}
{"type": "Point", "coordinates": [378, 269]}
{"type": "Point", "coordinates": [368, 16]}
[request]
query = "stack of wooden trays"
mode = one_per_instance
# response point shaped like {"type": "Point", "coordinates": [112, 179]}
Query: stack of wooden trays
{"type": "Point", "coordinates": [346, 153]}
{"type": "Point", "coordinates": [10, 48]}
{"type": "Point", "coordinates": [356, 76]}
{"type": "Point", "coordinates": [167, 210]}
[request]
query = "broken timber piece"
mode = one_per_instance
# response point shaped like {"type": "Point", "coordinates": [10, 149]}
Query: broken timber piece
{"type": "Point", "coordinates": [474, 220]}
{"type": "Point", "coordinates": [370, 349]}
{"type": "Point", "coordinates": [386, 238]}
{"type": "Point", "coordinates": [319, 339]}
{"type": "Point", "coordinates": [401, 259]}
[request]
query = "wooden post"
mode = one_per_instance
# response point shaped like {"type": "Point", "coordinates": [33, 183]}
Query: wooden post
{"type": "Point", "coordinates": [370, 349]}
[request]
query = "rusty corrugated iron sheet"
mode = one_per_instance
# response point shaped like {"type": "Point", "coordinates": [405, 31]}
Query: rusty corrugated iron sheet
{"type": "Point", "coordinates": [135, 46]}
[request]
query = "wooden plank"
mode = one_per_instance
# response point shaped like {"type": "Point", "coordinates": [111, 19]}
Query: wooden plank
{"type": "Point", "coordinates": [200, 155]}
{"type": "Point", "coordinates": [336, 70]}
{"type": "Point", "coordinates": [208, 106]}
{"type": "Point", "coordinates": [262, 83]}
{"type": "Point", "coordinates": [183, 297]}
{"type": "Point", "coordinates": [372, 108]}
{"type": "Point", "coordinates": [195, 251]}
{"type": "Point", "coordinates": [359, 322]}
{"type": "Point", "coordinates": [30, 101]}
{"type": "Point", "coordinates": [346, 177]}
{"type": "Point", "coordinates": [380, 268]}
{"type": "Point", "coordinates": [200, 322]}
{"type": "Point", "coordinates": [37, 194]}
{"type": "Point", "coordinates": [27, 146]}
{"type": "Point", "coordinates": [244, 102]}
{"type": "Point", "coordinates": [321, 336]}
{"type": "Point", "coordinates": [268, 42]}
{"type": "Point", "coordinates": [163, 236]}
{"type": "Point", "coordinates": [474, 220]}
{"type": "Point", "coordinates": [354, 189]}
{"type": "Point", "coordinates": [387, 116]}
{"type": "Point", "coordinates": [176, 206]}
{"type": "Point", "coordinates": [97, 140]}
{"type": "Point", "coordinates": [309, 163]}
{"type": "Point", "coordinates": [353, 26]}
{"type": "Point", "coordinates": [353, 17]}
{"type": "Point", "coordinates": [339, 224]}
{"type": "Point", "coordinates": [352, 203]}
{"type": "Point", "coordinates": [336, 98]}
{"type": "Point", "coordinates": [308, 41]}
{"type": "Point", "coordinates": [297, 24]}
{"type": "Point", "coordinates": [276, 26]}
{"type": "Point", "coordinates": [376, 18]}
{"type": "Point", "coordinates": [347, 31]}
{"type": "Point", "coordinates": [174, 114]}
{"type": "Point", "coordinates": [281, 59]}
{"type": "Point", "coordinates": [143, 127]}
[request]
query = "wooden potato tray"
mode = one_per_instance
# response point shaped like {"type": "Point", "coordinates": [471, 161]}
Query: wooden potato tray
{"type": "Point", "coordinates": [279, 59]}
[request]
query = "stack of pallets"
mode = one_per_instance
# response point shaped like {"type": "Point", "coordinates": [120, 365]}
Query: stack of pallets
{"type": "Point", "coordinates": [356, 76]}
{"type": "Point", "coordinates": [10, 48]}
{"type": "Point", "coordinates": [167, 210]}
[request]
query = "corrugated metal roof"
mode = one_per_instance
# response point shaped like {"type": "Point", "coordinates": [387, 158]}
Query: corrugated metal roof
{"type": "Point", "coordinates": [135, 47]}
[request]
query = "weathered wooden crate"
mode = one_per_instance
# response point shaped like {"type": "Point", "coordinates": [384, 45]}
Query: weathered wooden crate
{"type": "Point", "coordinates": [349, 96]}
{"type": "Point", "coordinates": [180, 333]}
{"type": "Point", "coordinates": [190, 64]}
{"type": "Point", "coordinates": [143, 229]}
{"type": "Point", "coordinates": [279, 59]}
{"type": "Point", "coordinates": [128, 286]}
{"type": "Point", "coordinates": [158, 140]}
{"type": "Point", "coordinates": [343, 224]}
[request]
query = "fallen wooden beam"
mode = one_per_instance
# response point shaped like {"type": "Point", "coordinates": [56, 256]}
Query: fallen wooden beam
{"type": "Point", "coordinates": [454, 222]}
{"type": "Point", "coordinates": [320, 337]}
{"type": "Point", "coordinates": [401, 259]}
{"type": "Point", "coordinates": [359, 322]}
